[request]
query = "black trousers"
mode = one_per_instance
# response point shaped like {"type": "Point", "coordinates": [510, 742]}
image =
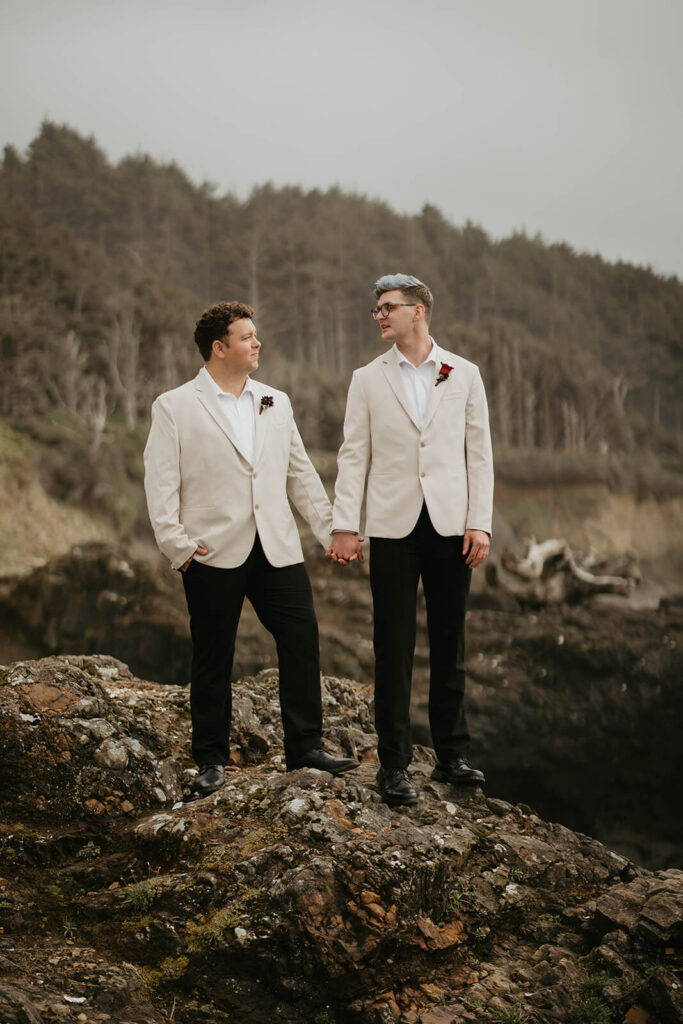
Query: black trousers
{"type": "Point", "coordinates": [283, 601]}
{"type": "Point", "coordinates": [395, 569]}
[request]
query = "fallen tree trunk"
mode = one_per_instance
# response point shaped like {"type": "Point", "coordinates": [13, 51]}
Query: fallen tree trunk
{"type": "Point", "coordinates": [552, 573]}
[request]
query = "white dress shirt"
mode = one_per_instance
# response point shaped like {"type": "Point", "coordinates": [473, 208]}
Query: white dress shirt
{"type": "Point", "coordinates": [239, 412]}
{"type": "Point", "coordinates": [418, 380]}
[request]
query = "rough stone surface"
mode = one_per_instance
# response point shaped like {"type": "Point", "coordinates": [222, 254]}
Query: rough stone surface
{"type": "Point", "coordinates": [577, 712]}
{"type": "Point", "coordinates": [294, 896]}
{"type": "Point", "coordinates": [53, 715]}
{"type": "Point", "coordinates": [97, 599]}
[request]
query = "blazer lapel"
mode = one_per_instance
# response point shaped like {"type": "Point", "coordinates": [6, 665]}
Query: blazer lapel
{"type": "Point", "coordinates": [392, 372]}
{"type": "Point", "coordinates": [209, 399]}
{"type": "Point", "coordinates": [262, 418]}
{"type": "Point", "coordinates": [436, 394]}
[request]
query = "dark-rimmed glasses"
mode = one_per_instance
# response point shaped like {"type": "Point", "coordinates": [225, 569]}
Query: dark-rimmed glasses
{"type": "Point", "coordinates": [386, 308]}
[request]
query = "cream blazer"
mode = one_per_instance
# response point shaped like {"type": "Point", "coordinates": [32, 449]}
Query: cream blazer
{"type": "Point", "coordinates": [202, 490]}
{"type": "Point", "coordinates": [448, 463]}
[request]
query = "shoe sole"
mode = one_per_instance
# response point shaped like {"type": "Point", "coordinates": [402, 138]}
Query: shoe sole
{"type": "Point", "coordinates": [342, 771]}
{"type": "Point", "coordinates": [443, 777]}
{"type": "Point", "coordinates": [207, 792]}
{"type": "Point", "coordinates": [398, 801]}
{"type": "Point", "coordinates": [337, 771]}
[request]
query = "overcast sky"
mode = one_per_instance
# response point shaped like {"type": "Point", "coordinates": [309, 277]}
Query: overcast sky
{"type": "Point", "coordinates": [562, 117]}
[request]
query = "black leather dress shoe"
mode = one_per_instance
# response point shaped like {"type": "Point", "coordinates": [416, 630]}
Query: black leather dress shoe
{"type": "Point", "coordinates": [211, 777]}
{"type": "Point", "coordinates": [395, 786]}
{"type": "Point", "coordinates": [324, 762]}
{"type": "Point", "coordinates": [457, 770]}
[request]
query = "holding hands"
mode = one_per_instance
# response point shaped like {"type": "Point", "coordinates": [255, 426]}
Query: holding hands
{"type": "Point", "coordinates": [345, 548]}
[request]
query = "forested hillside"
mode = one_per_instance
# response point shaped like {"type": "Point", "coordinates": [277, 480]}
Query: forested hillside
{"type": "Point", "coordinates": [104, 269]}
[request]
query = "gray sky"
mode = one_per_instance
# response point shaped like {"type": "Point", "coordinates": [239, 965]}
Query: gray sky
{"type": "Point", "coordinates": [557, 116]}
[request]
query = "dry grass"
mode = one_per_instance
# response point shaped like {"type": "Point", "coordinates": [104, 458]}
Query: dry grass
{"type": "Point", "coordinates": [33, 526]}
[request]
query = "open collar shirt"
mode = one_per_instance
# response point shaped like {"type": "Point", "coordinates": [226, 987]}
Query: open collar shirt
{"type": "Point", "coordinates": [418, 380]}
{"type": "Point", "coordinates": [239, 412]}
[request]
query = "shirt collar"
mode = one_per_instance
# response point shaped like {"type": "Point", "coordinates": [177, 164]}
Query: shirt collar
{"type": "Point", "coordinates": [248, 389]}
{"type": "Point", "coordinates": [431, 358]}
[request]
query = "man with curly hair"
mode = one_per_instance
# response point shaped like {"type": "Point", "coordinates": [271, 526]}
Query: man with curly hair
{"type": "Point", "coordinates": [223, 461]}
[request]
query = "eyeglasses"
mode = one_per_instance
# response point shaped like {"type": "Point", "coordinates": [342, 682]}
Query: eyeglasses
{"type": "Point", "coordinates": [386, 308]}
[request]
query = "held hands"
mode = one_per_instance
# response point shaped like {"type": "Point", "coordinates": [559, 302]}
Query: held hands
{"type": "Point", "coordinates": [345, 548]}
{"type": "Point", "coordinates": [477, 543]}
{"type": "Point", "coordinates": [200, 551]}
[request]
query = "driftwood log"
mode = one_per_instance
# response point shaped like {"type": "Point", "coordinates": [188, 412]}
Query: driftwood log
{"type": "Point", "coordinates": [551, 572]}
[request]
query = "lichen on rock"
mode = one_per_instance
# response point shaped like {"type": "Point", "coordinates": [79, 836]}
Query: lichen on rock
{"type": "Point", "coordinates": [294, 896]}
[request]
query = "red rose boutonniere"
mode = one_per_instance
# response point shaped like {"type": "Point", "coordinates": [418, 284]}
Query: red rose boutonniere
{"type": "Point", "coordinates": [267, 402]}
{"type": "Point", "coordinates": [443, 374]}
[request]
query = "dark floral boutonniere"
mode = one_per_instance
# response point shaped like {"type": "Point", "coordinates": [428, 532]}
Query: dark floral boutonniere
{"type": "Point", "coordinates": [443, 374]}
{"type": "Point", "coordinates": [267, 402]}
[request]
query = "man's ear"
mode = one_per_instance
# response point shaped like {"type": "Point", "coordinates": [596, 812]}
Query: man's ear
{"type": "Point", "coordinates": [217, 348]}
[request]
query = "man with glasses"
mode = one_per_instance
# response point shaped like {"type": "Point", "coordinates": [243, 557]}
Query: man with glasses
{"type": "Point", "coordinates": [223, 461]}
{"type": "Point", "coordinates": [417, 431]}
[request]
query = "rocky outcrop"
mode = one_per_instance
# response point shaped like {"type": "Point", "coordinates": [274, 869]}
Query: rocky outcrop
{"type": "Point", "coordinates": [93, 749]}
{"type": "Point", "coordinates": [573, 709]}
{"type": "Point", "coordinates": [577, 712]}
{"type": "Point", "coordinates": [99, 599]}
{"type": "Point", "coordinates": [96, 599]}
{"type": "Point", "coordinates": [293, 896]}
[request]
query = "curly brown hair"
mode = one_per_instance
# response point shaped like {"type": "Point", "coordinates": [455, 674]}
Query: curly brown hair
{"type": "Point", "coordinates": [214, 323]}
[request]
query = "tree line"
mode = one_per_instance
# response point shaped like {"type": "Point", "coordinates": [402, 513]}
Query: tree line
{"type": "Point", "coordinates": [105, 267]}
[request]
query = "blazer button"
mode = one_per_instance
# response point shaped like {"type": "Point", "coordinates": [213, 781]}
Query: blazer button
{"type": "Point", "coordinates": [423, 444]}
{"type": "Point", "coordinates": [256, 506]}
{"type": "Point", "coordinates": [423, 474]}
